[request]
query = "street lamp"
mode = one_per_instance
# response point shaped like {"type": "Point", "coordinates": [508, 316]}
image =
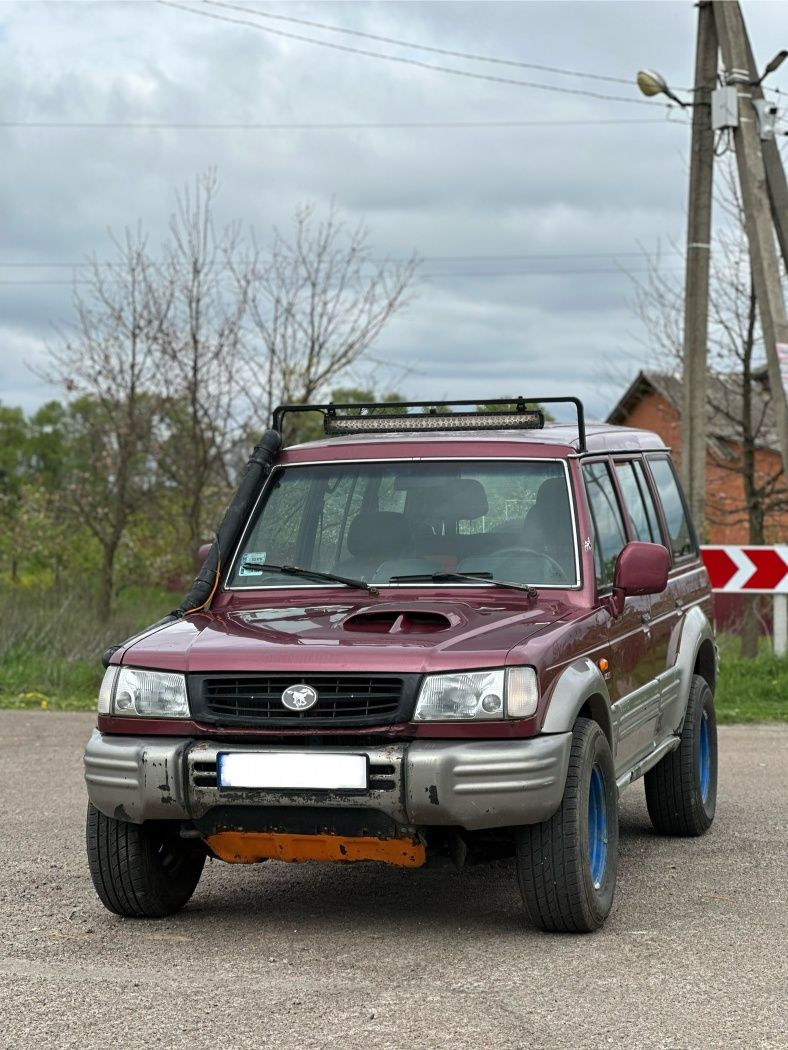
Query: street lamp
{"type": "Point", "coordinates": [651, 83]}
{"type": "Point", "coordinates": [775, 63]}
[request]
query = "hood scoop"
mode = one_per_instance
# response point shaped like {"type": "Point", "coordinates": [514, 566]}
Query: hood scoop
{"type": "Point", "coordinates": [399, 621]}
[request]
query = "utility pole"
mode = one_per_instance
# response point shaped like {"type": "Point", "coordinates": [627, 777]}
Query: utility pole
{"type": "Point", "coordinates": [773, 166]}
{"type": "Point", "coordinates": [696, 300]}
{"type": "Point", "coordinates": [755, 199]}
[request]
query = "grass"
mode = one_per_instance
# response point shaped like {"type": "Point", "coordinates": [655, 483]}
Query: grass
{"type": "Point", "coordinates": [50, 653]}
{"type": "Point", "coordinates": [751, 690]}
{"type": "Point", "coordinates": [51, 644]}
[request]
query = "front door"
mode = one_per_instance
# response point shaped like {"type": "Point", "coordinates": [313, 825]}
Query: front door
{"type": "Point", "coordinates": [632, 682]}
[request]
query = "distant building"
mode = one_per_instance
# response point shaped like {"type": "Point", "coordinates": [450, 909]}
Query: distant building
{"type": "Point", "coordinates": [653, 402]}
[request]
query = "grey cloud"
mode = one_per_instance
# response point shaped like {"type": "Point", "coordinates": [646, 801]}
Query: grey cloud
{"type": "Point", "coordinates": [439, 192]}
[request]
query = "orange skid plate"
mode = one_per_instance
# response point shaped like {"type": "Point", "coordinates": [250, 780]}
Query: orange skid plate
{"type": "Point", "coordinates": [248, 847]}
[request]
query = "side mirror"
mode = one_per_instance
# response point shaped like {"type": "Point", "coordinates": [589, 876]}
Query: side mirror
{"type": "Point", "coordinates": [641, 568]}
{"type": "Point", "coordinates": [202, 554]}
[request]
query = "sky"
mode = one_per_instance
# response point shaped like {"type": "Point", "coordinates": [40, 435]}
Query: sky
{"type": "Point", "coordinates": [530, 219]}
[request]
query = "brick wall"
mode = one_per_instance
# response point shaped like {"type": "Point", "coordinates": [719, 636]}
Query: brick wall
{"type": "Point", "coordinates": [726, 520]}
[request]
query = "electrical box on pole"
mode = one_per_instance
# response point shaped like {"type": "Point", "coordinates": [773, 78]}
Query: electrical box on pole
{"type": "Point", "coordinates": [724, 108]}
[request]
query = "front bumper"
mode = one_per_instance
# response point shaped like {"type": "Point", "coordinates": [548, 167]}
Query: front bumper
{"type": "Point", "coordinates": [467, 784]}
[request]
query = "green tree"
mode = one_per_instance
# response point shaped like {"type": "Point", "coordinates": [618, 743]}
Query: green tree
{"type": "Point", "coordinates": [13, 467]}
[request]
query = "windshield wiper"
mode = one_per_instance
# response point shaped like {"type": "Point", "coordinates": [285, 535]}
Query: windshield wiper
{"type": "Point", "coordinates": [297, 570]}
{"type": "Point", "coordinates": [475, 577]}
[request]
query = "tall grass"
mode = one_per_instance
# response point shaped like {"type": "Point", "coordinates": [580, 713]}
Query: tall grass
{"type": "Point", "coordinates": [51, 642]}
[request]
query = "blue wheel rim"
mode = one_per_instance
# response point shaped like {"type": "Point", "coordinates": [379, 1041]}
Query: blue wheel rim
{"type": "Point", "coordinates": [704, 757]}
{"type": "Point", "coordinates": [597, 827]}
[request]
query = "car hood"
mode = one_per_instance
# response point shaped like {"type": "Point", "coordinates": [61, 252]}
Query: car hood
{"type": "Point", "coordinates": [387, 635]}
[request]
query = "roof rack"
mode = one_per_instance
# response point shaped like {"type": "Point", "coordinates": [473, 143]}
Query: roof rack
{"type": "Point", "coordinates": [394, 417]}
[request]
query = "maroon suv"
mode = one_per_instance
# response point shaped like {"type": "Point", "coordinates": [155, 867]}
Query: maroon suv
{"type": "Point", "coordinates": [435, 634]}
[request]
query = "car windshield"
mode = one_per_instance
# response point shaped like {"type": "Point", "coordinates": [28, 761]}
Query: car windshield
{"type": "Point", "coordinates": [507, 520]}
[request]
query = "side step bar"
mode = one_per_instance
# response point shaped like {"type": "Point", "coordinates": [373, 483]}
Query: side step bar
{"type": "Point", "coordinates": [647, 763]}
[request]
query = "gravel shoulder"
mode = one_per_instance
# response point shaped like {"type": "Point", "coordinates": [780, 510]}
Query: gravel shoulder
{"type": "Point", "coordinates": [300, 956]}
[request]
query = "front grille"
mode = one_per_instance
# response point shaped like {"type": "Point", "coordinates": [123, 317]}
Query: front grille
{"type": "Point", "coordinates": [343, 700]}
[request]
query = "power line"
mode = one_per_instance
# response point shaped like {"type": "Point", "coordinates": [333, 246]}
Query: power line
{"type": "Point", "coordinates": [522, 257]}
{"type": "Point", "coordinates": [456, 274]}
{"type": "Point", "coordinates": [331, 126]}
{"type": "Point", "coordinates": [551, 273]}
{"type": "Point", "coordinates": [424, 47]}
{"type": "Point", "coordinates": [489, 77]}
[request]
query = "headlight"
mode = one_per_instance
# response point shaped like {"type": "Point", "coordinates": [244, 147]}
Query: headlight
{"type": "Point", "coordinates": [478, 695]}
{"type": "Point", "coordinates": [150, 694]}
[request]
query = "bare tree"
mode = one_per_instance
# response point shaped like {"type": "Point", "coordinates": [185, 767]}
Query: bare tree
{"type": "Point", "coordinates": [107, 365]}
{"type": "Point", "coordinates": [318, 303]}
{"type": "Point", "coordinates": [199, 353]}
{"type": "Point", "coordinates": [160, 369]}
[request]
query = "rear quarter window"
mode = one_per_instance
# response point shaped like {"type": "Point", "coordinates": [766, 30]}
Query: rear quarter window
{"type": "Point", "coordinates": [639, 502]}
{"type": "Point", "coordinates": [681, 535]}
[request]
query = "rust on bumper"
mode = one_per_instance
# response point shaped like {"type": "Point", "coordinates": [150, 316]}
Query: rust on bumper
{"type": "Point", "coordinates": [249, 847]}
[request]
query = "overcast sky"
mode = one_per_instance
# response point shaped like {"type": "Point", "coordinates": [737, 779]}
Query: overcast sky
{"type": "Point", "coordinates": [576, 196]}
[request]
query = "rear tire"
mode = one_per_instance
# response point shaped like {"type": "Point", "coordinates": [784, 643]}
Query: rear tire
{"type": "Point", "coordinates": [566, 866]}
{"type": "Point", "coordinates": [681, 790]}
{"type": "Point", "coordinates": [141, 871]}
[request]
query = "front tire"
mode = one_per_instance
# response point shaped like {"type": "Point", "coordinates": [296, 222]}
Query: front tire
{"type": "Point", "coordinates": [681, 790]}
{"type": "Point", "coordinates": [141, 871]}
{"type": "Point", "coordinates": [566, 866]}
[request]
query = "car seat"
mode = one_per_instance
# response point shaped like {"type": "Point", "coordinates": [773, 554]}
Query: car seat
{"type": "Point", "coordinates": [374, 536]}
{"type": "Point", "coordinates": [548, 525]}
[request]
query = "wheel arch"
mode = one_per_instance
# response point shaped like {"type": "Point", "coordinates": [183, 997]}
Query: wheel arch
{"type": "Point", "coordinates": [598, 710]}
{"type": "Point", "coordinates": [706, 663]}
{"type": "Point", "coordinates": [579, 691]}
{"type": "Point", "coordinates": [696, 654]}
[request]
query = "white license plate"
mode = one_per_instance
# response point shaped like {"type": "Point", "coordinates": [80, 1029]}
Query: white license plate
{"type": "Point", "coordinates": [298, 770]}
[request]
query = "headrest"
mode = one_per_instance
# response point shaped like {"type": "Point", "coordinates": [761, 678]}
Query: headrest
{"type": "Point", "coordinates": [552, 497]}
{"type": "Point", "coordinates": [463, 500]}
{"type": "Point", "coordinates": [375, 532]}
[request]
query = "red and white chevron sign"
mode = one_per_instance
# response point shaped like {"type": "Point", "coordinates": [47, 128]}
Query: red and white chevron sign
{"type": "Point", "coordinates": [747, 570]}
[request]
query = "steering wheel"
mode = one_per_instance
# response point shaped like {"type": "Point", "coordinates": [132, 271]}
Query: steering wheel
{"type": "Point", "coordinates": [518, 551]}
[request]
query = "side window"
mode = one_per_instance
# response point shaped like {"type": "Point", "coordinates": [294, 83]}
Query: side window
{"type": "Point", "coordinates": [638, 501]}
{"type": "Point", "coordinates": [648, 500]}
{"type": "Point", "coordinates": [609, 533]}
{"type": "Point", "coordinates": [682, 541]}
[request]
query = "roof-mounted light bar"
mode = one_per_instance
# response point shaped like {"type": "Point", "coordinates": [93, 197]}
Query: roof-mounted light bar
{"type": "Point", "coordinates": [395, 417]}
{"type": "Point", "coordinates": [530, 419]}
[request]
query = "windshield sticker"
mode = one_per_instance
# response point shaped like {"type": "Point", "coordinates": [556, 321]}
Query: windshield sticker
{"type": "Point", "coordinates": [252, 558]}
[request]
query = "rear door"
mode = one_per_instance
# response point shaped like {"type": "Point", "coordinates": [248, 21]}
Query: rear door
{"type": "Point", "coordinates": [687, 583]}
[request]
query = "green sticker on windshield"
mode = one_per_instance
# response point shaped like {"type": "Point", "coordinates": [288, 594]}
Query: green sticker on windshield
{"type": "Point", "coordinates": [252, 558]}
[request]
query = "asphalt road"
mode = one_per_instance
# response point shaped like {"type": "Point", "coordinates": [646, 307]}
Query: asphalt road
{"type": "Point", "coordinates": [695, 953]}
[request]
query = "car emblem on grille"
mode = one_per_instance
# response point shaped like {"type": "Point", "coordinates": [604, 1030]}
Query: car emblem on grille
{"type": "Point", "coordinates": [299, 697]}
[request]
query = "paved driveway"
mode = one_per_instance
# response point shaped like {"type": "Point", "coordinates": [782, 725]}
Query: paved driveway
{"type": "Point", "coordinates": [693, 955]}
